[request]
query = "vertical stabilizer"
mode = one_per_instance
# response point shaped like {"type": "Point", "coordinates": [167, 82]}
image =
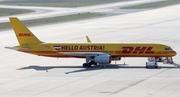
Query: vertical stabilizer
{"type": "Point", "coordinates": [23, 34]}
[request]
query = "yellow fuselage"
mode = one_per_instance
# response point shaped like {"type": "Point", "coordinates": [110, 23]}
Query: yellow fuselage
{"type": "Point", "coordinates": [114, 49]}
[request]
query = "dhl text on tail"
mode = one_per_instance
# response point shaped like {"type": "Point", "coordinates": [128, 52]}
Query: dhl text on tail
{"type": "Point", "coordinates": [94, 53]}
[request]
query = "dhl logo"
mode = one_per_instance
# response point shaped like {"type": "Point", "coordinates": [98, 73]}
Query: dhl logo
{"type": "Point", "coordinates": [137, 50]}
{"type": "Point", "coordinates": [25, 34]}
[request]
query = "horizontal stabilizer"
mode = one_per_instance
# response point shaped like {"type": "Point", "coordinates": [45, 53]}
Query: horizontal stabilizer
{"type": "Point", "coordinates": [18, 48]}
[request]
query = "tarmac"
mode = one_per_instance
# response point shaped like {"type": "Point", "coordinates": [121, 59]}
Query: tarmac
{"type": "Point", "coordinates": [25, 75]}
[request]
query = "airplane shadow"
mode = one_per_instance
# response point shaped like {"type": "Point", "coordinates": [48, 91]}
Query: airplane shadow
{"type": "Point", "coordinates": [98, 67]}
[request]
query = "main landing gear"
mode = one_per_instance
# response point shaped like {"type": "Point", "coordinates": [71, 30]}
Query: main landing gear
{"type": "Point", "coordinates": [89, 64]}
{"type": "Point", "coordinates": [89, 61]}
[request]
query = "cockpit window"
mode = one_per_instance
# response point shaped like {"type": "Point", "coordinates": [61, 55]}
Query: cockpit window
{"type": "Point", "coordinates": [168, 48]}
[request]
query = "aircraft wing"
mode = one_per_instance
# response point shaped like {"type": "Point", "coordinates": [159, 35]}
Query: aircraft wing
{"type": "Point", "coordinates": [83, 53]}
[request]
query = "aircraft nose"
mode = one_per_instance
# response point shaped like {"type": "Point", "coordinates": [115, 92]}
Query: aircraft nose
{"type": "Point", "coordinates": [174, 53]}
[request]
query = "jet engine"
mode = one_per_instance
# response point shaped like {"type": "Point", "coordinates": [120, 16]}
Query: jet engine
{"type": "Point", "coordinates": [103, 59]}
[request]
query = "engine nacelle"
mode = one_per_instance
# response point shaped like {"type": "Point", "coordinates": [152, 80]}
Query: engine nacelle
{"type": "Point", "coordinates": [103, 59]}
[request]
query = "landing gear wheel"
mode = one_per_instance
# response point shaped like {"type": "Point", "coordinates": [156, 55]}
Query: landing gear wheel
{"type": "Point", "coordinates": [95, 64]}
{"type": "Point", "coordinates": [89, 65]}
{"type": "Point", "coordinates": [92, 63]}
{"type": "Point", "coordinates": [171, 62]}
{"type": "Point", "coordinates": [156, 66]}
{"type": "Point", "coordinates": [85, 64]}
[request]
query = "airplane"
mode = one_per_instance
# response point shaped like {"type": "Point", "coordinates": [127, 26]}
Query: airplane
{"type": "Point", "coordinates": [95, 53]}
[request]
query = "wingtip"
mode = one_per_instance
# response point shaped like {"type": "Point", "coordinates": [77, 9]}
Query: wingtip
{"type": "Point", "coordinates": [87, 38]}
{"type": "Point", "coordinates": [12, 17]}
